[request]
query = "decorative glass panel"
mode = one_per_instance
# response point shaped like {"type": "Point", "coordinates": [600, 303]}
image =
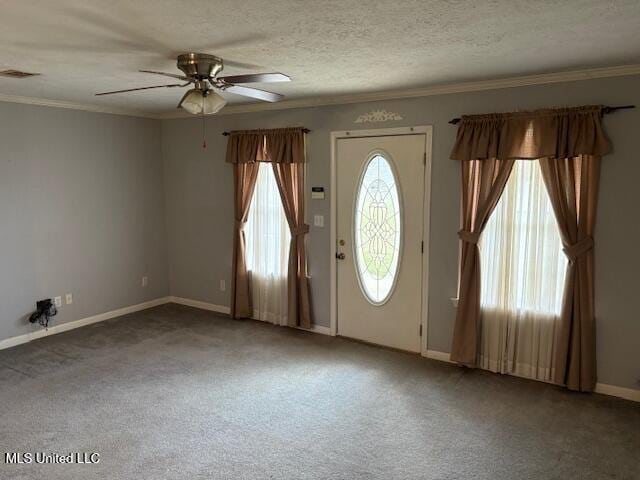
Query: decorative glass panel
{"type": "Point", "coordinates": [377, 229]}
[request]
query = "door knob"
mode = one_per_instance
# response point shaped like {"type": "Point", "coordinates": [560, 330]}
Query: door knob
{"type": "Point", "coordinates": [340, 256]}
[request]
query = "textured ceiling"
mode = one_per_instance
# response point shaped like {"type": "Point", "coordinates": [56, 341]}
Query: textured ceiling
{"type": "Point", "coordinates": [327, 47]}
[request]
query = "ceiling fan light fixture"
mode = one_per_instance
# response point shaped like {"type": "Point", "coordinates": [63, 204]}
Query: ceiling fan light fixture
{"type": "Point", "coordinates": [197, 103]}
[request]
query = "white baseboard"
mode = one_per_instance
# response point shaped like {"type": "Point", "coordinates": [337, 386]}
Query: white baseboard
{"type": "Point", "coordinates": [224, 309]}
{"type": "Point", "coordinates": [603, 388]}
{"type": "Point", "coordinates": [321, 329]}
{"type": "Point", "coordinates": [212, 307]}
{"type": "Point", "coordinates": [622, 392]}
{"type": "Point", "coordinates": [63, 327]}
{"type": "Point", "coordinates": [440, 356]}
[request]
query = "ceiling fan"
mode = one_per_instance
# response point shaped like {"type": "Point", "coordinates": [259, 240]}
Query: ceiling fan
{"type": "Point", "coordinates": [201, 70]}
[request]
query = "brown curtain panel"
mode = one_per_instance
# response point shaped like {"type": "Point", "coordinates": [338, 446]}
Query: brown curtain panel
{"type": "Point", "coordinates": [572, 184]}
{"type": "Point", "coordinates": [569, 143]}
{"type": "Point", "coordinates": [290, 179]}
{"type": "Point", "coordinates": [285, 149]}
{"type": "Point", "coordinates": [243, 151]}
{"type": "Point", "coordinates": [483, 182]}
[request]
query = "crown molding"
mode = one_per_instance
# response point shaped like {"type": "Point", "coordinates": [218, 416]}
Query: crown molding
{"type": "Point", "coordinates": [444, 89]}
{"type": "Point", "coordinates": [45, 102]}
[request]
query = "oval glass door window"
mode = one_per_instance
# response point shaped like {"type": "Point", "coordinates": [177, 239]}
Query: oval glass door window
{"type": "Point", "coordinates": [377, 229]}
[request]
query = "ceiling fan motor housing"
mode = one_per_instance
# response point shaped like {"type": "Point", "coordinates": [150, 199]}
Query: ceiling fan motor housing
{"type": "Point", "coordinates": [200, 65]}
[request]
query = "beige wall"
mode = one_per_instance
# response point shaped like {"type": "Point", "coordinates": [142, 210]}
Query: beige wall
{"type": "Point", "coordinates": [199, 191]}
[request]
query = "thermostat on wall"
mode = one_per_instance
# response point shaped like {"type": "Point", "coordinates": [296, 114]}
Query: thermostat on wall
{"type": "Point", "coordinates": [317, 193]}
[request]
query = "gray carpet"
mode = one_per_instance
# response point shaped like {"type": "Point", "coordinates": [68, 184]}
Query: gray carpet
{"type": "Point", "coordinates": [179, 393]}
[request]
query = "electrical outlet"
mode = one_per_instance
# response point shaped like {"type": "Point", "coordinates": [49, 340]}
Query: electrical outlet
{"type": "Point", "coordinates": [68, 298]}
{"type": "Point", "coordinates": [223, 285]}
{"type": "Point", "coordinates": [58, 301]}
{"type": "Point", "coordinates": [145, 281]}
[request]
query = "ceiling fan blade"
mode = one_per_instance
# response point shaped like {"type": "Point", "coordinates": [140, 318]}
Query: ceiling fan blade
{"type": "Point", "coordinates": [253, 93]}
{"type": "Point", "coordinates": [143, 88]}
{"type": "Point", "coordinates": [172, 75]}
{"type": "Point", "coordinates": [256, 78]}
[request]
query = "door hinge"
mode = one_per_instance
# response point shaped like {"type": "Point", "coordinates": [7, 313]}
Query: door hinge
{"type": "Point", "coordinates": [420, 330]}
{"type": "Point", "coordinates": [424, 158]}
{"type": "Point", "coordinates": [422, 246]}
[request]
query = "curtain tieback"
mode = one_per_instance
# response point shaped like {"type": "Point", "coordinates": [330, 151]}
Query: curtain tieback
{"type": "Point", "coordinates": [469, 237]}
{"type": "Point", "coordinates": [300, 230]}
{"type": "Point", "coordinates": [579, 248]}
{"type": "Point", "coordinates": [239, 224]}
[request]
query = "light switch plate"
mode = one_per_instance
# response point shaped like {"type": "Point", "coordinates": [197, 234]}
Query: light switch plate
{"type": "Point", "coordinates": [58, 301]}
{"type": "Point", "coordinates": [318, 221]}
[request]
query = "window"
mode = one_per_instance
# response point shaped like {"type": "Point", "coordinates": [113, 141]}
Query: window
{"type": "Point", "coordinates": [267, 240]}
{"type": "Point", "coordinates": [523, 270]}
{"type": "Point", "coordinates": [377, 230]}
{"type": "Point", "coordinates": [522, 263]}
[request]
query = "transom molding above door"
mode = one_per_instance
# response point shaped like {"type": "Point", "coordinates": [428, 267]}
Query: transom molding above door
{"type": "Point", "coordinates": [376, 116]}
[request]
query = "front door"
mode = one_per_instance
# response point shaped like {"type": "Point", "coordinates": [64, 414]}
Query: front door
{"type": "Point", "coordinates": [380, 197]}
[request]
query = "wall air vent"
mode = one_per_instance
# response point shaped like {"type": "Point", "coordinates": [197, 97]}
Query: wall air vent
{"type": "Point", "coordinates": [16, 74]}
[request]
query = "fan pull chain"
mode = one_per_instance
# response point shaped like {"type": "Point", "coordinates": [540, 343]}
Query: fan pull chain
{"type": "Point", "coordinates": [204, 138]}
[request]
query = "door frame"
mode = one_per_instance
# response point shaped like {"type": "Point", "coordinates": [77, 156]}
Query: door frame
{"type": "Point", "coordinates": [427, 131]}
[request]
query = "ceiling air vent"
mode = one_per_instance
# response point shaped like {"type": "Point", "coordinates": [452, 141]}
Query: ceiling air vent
{"type": "Point", "coordinates": [16, 74]}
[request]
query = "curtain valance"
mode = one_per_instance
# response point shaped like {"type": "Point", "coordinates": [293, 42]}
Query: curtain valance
{"type": "Point", "coordinates": [556, 133]}
{"type": "Point", "coordinates": [279, 145]}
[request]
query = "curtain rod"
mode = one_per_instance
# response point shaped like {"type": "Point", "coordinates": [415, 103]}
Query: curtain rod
{"type": "Point", "coordinates": [226, 134]}
{"type": "Point", "coordinates": [455, 121]}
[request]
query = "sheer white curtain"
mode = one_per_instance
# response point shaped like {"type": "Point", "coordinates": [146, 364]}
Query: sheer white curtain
{"type": "Point", "coordinates": [267, 235]}
{"type": "Point", "coordinates": [523, 270]}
